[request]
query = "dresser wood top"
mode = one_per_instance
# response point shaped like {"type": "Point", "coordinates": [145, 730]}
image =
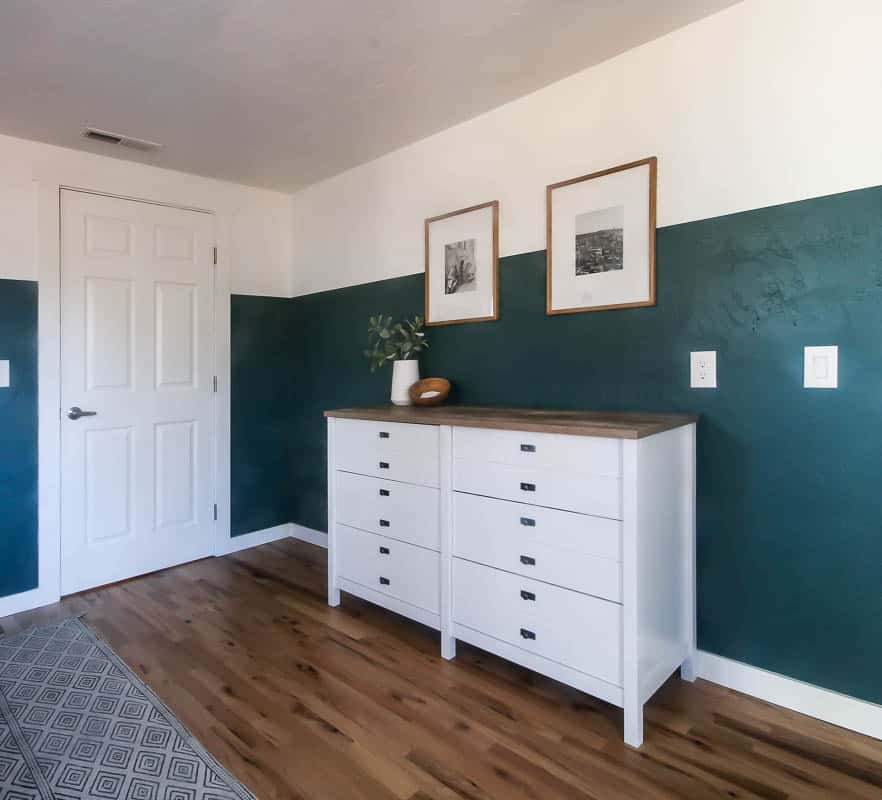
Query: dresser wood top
{"type": "Point", "coordinates": [611, 424]}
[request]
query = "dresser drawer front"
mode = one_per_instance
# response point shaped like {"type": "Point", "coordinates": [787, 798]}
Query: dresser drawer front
{"type": "Point", "coordinates": [570, 491]}
{"type": "Point", "coordinates": [388, 566]}
{"type": "Point", "coordinates": [570, 550]}
{"type": "Point", "coordinates": [393, 450]}
{"type": "Point", "coordinates": [396, 510]}
{"type": "Point", "coordinates": [585, 454]}
{"type": "Point", "coordinates": [581, 632]}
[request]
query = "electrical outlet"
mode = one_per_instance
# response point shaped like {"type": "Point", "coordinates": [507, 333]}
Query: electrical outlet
{"type": "Point", "coordinates": [703, 372]}
{"type": "Point", "coordinates": [4, 374]}
{"type": "Point", "coordinates": [821, 368]}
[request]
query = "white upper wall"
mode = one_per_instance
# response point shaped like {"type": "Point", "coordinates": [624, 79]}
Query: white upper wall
{"type": "Point", "coordinates": [767, 102]}
{"type": "Point", "coordinates": [257, 221]}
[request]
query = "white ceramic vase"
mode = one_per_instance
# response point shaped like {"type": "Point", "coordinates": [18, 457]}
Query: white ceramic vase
{"type": "Point", "coordinates": [404, 375]}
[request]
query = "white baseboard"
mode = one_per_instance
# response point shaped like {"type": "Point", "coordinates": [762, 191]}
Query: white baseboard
{"type": "Point", "coordinates": [267, 535]}
{"type": "Point", "coordinates": [806, 698]}
{"type": "Point", "coordinates": [25, 601]}
{"type": "Point", "coordinates": [310, 535]}
{"type": "Point", "coordinates": [236, 543]}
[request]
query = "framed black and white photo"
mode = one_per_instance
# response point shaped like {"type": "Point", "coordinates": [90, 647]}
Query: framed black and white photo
{"type": "Point", "coordinates": [462, 254]}
{"type": "Point", "coordinates": [601, 240]}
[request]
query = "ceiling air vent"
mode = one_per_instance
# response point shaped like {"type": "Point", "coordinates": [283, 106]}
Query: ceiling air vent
{"type": "Point", "coordinates": [123, 141]}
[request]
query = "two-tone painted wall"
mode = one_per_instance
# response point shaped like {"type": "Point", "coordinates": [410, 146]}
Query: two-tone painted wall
{"type": "Point", "coordinates": [766, 126]}
{"type": "Point", "coordinates": [253, 227]}
{"type": "Point", "coordinates": [789, 518]}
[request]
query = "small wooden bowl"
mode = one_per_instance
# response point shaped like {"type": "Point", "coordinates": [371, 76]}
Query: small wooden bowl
{"type": "Point", "coordinates": [429, 391]}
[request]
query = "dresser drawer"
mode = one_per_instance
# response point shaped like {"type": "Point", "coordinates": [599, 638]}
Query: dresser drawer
{"type": "Point", "coordinates": [581, 632]}
{"type": "Point", "coordinates": [571, 491]}
{"type": "Point", "coordinates": [397, 510]}
{"type": "Point", "coordinates": [586, 454]}
{"type": "Point", "coordinates": [388, 566]}
{"type": "Point", "coordinates": [570, 550]}
{"type": "Point", "coordinates": [390, 450]}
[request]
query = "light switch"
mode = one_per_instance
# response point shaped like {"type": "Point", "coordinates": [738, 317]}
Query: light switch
{"type": "Point", "coordinates": [4, 374]}
{"type": "Point", "coordinates": [821, 369]}
{"type": "Point", "coordinates": [703, 370]}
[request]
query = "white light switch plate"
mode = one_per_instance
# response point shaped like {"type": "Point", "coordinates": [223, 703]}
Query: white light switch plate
{"type": "Point", "coordinates": [703, 370]}
{"type": "Point", "coordinates": [821, 369]}
{"type": "Point", "coordinates": [4, 374]}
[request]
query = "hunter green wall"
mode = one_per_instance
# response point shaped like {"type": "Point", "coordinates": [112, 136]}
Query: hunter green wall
{"type": "Point", "coordinates": [18, 438]}
{"type": "Point", "coordinates": [261, 409]}
{"type": "Point", "coordinates": [789, 516]}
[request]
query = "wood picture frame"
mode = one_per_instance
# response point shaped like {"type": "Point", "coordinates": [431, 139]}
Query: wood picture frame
{"type": "Point", "coordinates": [552, 307]}
{"type": "Point", "coordinates": [482, 247]}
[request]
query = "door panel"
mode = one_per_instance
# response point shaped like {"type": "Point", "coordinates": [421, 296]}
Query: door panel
{"type": "Point", "coordinates": [137, 285]}
{"type": "Point", "coordinates": [175, 473]}
{"type": "Point", "coordinates": [108, 483]}
{"type": "Point", "coordinates": [108, 334]}
{"type": "Point", "coordinates": [176, 335]}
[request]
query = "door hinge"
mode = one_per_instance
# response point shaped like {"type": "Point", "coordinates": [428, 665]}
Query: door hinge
{"type": "Point", "coordinates": [215, 384]}
{"type": "Point", "coordinates": [215, 512]}
{"type": "Point", "coordinates": [215, 256]}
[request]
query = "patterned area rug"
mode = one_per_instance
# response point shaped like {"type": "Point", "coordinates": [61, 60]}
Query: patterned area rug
{"type": "Point", "coordinates": [76, 722]}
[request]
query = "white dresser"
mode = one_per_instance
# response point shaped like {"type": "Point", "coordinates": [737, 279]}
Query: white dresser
{"type": "Point", "coordinates": [563, 541]}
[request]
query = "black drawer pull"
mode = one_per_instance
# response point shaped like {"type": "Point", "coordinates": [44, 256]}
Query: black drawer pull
{"type": "Point", "coordinates": [384, 551]}
{"type": "Point", "coordinates": [528, 487]}
{"type": "Point", "coordinates": [528, 560]}
{"type": "Point", "coordinates": [384, 465]}
{"type": "Point", "coordinates": [384, 523]}
{"type": "Point", "coordinates": [528, 448]}
{"type": "Point", "coordinates": [527, 522]}
{"type": "Point", "coordinates": [384, 434]}
{"type": "Point", "coordinates": [384, 581]}
{"type": "Point", "coordinates": [384, 492]}
{"type": "Point", "coordinates": [525, 595]}
{"type": "Point", "coordinates": [527, 634]}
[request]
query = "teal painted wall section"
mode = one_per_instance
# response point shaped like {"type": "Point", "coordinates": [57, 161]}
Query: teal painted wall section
{"type": "Point", "coordinates": [18, 438]}
{"type": "Point", "coordinates": [261, 412]}
{"type": "Point", "coordinates": [789, 517]}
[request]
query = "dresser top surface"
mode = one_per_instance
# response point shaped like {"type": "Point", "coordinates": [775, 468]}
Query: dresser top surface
{"type": "Point", "coordinates": [611, 424]}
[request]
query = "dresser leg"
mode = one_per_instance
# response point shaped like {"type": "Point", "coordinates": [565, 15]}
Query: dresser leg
{"type": "Point", "coordinates": [333, 597]}
{"type": "Point", "coordinates": [448, 646]}
{"type": "Point", "coordinates": [634, 725]}
{"type": "Point", "coordinates": [687, 669]}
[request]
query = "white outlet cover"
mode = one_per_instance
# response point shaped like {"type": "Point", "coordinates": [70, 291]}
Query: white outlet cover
{"type": "Point", "coordinates": [703, 369]}
{"type": "Point", "coordinates": [821, 368]}
{"type": "Point", "coordinates": [4, 374]}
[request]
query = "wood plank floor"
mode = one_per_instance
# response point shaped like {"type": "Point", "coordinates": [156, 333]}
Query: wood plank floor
{"type": "Point", "coordinates": [300, 700]}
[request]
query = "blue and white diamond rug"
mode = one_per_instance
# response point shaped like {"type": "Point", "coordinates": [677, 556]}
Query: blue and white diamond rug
{"type": "Point", "coordinates": [77, 723]}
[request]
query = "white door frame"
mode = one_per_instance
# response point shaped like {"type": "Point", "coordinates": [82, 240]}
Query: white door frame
{"type": "Point", "coordinates": [48, 213]}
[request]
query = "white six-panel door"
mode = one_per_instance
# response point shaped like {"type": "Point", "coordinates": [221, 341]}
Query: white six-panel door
{"type": "Point", "coordinates": [136, 299]}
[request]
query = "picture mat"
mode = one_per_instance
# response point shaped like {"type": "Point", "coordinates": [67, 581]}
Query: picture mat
{"type": "Point", "coordinates": [629, 189]}
{"type": "Point", "coordinates": [477, 225]}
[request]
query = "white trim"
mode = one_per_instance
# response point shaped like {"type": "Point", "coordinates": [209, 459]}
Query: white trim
{"type": "Point", "coordinates": [806, 698]}
{"type": "Point", "coordinates": [48, 398]}
{"type": "Point", "coordinates": [25, 601]}
{"type": "Point", "coordinates": [318, 538]}
{"type": "Point", "coordinates": [222, 369]}
{"type": "Point", "coordinates": [256, 538]}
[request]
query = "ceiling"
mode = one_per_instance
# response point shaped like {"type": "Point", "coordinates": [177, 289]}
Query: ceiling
{"type": "Point", "coordinates": [283, 93]}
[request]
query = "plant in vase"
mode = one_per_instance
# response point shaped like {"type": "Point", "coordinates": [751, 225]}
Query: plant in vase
{"type": "Point", "coordinates": [398, 342]}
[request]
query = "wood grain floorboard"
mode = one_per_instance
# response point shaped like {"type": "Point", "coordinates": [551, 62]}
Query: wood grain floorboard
{"type": "Point", "coordinates": [305, 702]}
